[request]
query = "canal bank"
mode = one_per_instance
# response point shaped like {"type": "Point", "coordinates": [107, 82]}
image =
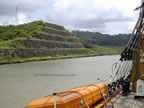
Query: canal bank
{"type": "Point", "coordinates": [24, 60]}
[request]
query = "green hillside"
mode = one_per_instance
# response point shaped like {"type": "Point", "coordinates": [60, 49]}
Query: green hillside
{"type": "Point", "coordinates": [91, 38]}
{"type": "Point", "coordinates": [37, 40]}
{"type": "Point", "coordinates": [41, 41]}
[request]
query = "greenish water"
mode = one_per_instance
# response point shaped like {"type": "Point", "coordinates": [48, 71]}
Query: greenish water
{"type": "Point", "coordinates": [22, 83]}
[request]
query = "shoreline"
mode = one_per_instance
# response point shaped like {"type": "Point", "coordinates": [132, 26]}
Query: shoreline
{"type": "Point", "coordinates": [53, 58]}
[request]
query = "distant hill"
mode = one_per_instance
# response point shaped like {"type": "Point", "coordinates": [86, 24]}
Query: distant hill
{"type": "Point", "coordinates": [37, 40]}
{"type": "Point", "coordinates": [90, 38]}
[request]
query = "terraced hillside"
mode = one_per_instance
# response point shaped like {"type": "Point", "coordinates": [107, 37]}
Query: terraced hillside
{"type": "Point", "coordinates": [37, 40]}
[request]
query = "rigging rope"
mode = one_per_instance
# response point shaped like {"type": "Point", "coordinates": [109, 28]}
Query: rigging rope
{"type": "Point", "coordinates": [46, 101]}
{"type": "Point", "coordinates": [120, 70]}
{"type": "Point", "coordinates": [123, 68]}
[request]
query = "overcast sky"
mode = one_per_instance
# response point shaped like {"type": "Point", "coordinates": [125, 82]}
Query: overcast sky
{"type": "Point", "coordinates": [105, 16]}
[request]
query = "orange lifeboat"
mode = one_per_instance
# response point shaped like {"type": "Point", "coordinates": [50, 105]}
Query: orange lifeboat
{"type": "Point", "coordinates": [79, 97]}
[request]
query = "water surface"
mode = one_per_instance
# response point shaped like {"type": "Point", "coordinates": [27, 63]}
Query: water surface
{"type": "Point", "coordinates": [22, 83]}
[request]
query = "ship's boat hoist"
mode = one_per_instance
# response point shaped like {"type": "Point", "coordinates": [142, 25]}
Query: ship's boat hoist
{"type": "Point", "coordinates": [128, 70]}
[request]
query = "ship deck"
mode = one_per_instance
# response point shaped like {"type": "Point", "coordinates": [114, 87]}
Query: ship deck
{"type": "Point", "coordinates": [128, 101]}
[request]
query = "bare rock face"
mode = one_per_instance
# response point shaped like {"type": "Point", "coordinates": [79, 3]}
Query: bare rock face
{"type": "Point", "coordinates": [56, 38]}
{"type": "Point", "coordinates": [27, 53]}
{"type": "Point", "coordinates": [50, 44]}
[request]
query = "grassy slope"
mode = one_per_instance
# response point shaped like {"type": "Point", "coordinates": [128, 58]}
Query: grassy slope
{"type": "Point", "coordinates": [11, 37]}
{"type": "Point", "coordinates": [105, 50]}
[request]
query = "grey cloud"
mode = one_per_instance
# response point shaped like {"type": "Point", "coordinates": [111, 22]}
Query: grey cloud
{"type": "Point", "coordinates": [86, 18]}
{"type": "Point", "coordinates": [81, 17]}
{"type": "Point", "coordinates": [8, 7]}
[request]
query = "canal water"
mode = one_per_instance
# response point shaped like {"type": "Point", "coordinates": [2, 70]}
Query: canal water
{"type": "Point", "coordinates": [22, 83]}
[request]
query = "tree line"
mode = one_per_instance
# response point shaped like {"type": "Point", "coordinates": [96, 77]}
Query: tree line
{"type": "Point", "coordinates": [95, 38]}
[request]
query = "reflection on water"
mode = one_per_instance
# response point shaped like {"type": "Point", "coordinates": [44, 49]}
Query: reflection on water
{"type": "Point", "coordinates": [22, 83]}
{"type": "Point", "coordinates": [54, 75]}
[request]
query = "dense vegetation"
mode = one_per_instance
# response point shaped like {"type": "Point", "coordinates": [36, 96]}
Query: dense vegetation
{"type": "Point", "coordinates": [41, 40]}
{"type": "Point", "coordinates": [21, 31]}
{"type": "Point", "coordinates": [11, 35]}
{"type": "Point", "coordinates": [37, 40]}
{"type": "Point", "coordinates": [89, 39]}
